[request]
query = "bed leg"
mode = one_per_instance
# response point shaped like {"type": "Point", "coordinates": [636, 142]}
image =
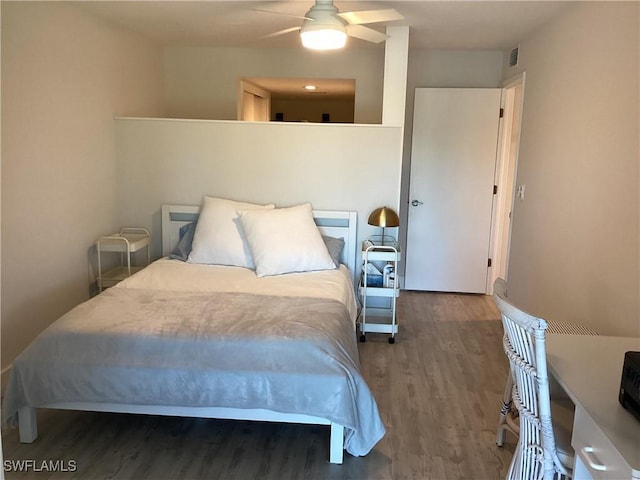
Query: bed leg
{"type": "Point", "coordinates": [27, 424]}
{"type": "Point", "coordinates": [336, 447]}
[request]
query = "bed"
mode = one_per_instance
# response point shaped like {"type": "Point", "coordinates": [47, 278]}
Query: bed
{"type": "Point", "coordinates": [210, 341]}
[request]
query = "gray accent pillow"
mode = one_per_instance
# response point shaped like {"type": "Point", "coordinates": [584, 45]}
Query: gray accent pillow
{"type": "Point", "coordinates": [183, 249]}
{"type": "Point", "coordinates": [335, 246]}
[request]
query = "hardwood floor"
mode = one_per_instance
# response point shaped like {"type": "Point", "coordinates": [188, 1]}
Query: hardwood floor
{"type": "Point", "coordinates": [438, 389]}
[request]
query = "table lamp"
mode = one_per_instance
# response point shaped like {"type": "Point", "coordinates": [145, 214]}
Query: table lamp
{"type": "Point", "coordinates": [383, 217]}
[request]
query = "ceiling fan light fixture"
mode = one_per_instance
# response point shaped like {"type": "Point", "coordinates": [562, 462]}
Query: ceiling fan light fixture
{"type": "Point", "coordinates": [325, 28]}
{"type": "Point", "coordinates": [328, 38]}
{"type": "Point", "coordinates": [322, 28]}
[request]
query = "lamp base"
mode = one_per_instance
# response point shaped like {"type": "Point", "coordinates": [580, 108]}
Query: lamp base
{"type": "Point", "coordinates": [384, 240]}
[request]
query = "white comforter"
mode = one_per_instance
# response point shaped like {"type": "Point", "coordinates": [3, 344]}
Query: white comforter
{"type": "Point", "coordinates": [178, 276]}
{"type": "Point", "coordinates": [163, 346]}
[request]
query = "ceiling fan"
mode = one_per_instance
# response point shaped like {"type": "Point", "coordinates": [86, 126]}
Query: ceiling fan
{"type": "Point", "coordinates": [325, 28]}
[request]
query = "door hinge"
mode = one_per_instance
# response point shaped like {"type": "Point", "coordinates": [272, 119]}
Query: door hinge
{"type": "Point", "coordinates": [489, 263]}
{"type": "Point", "coordinates": [501, 112]}
{"type": "Point", "coordinates": [495, 189]}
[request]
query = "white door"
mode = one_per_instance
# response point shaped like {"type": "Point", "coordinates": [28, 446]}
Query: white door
{"type": "Point", "coordinates": [453, 158]}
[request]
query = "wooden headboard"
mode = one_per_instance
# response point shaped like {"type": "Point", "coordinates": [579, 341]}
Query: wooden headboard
{"type": "Point", "coordinates": [334, 223]}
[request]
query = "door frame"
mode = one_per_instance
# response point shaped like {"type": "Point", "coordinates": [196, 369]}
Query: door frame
{"type": "Point", "coordinates": [509, 133]}
{"type": "Point", "coordinates": [253, 102]}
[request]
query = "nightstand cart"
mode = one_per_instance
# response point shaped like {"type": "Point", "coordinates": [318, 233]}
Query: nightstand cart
{"type": "Point", "coordinates": [127, 242]}
{"type": "Point", "coordinates": [376, 318]}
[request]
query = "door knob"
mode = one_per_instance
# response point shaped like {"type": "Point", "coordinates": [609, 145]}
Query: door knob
{"type": "Point", "coordinates": [415, 203]}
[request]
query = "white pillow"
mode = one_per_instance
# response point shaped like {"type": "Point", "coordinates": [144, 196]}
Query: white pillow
{"type": "Point", "coordinates": [285, 240]}
{"type": "Point", "coordinates": [218, 238]}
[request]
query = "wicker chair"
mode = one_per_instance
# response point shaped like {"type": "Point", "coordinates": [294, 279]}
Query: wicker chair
{"type": "Point", "coordinates": [540, 453]}
{"type": "Point", "coordinates": [508, 420]}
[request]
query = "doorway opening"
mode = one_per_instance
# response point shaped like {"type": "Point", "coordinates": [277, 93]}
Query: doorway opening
{"type": "Point", "coordinates": [316, 100]}
{"type": "Point", "coordinates": [505, 178]}
{"type": "Point", "coordinates": [451, 189]}
{"type": "Point", "coordinates": [254, 102]}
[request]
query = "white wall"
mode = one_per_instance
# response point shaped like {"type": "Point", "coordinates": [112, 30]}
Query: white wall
{"type": "Point", "coordinates": [202, 82]}
{"type": "Point", "coordinates": [335, 167]}
{"type": "Point", "coordinates": [64, 76]}
{"type": "Point", "coordinates": [575, 242]}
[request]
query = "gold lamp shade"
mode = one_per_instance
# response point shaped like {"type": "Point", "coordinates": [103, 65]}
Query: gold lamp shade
{"type": "Point", "coordinates": [384, 217]}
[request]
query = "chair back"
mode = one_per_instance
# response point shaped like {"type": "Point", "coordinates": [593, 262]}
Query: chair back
{"type": "Point", "coordinates": [535, 456]}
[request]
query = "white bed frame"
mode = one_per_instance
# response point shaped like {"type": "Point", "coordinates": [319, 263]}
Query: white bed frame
{"type": "Point", "coordinates": [334, 223]}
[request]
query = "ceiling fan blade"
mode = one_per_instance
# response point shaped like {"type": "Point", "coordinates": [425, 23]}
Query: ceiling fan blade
{"type": "Point", "coordinates": [366, 33]}
{"type": "Point", "coordinates": [301, 17]}
{"type": "Point", "coordinates": [281, 32]}
{"type": "Point", "coordinates": [371, 16]}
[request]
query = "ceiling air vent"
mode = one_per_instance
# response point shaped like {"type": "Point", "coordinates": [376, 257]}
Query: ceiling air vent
{"type": "Point", "coordinates": [513, 57]}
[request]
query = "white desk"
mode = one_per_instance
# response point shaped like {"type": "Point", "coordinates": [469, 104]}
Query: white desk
{"type": "Point", "coordinates": [606, 437]}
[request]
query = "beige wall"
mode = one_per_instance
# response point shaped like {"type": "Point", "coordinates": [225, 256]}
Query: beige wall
{"type": "Point", "coordinates": [575, 242]}
{"type": "Point", "coordinates": [335, 167]}
{"type": "Point", "coordinates": [202, 82]}
{"type": "Point", "coordinates": [64, 77]}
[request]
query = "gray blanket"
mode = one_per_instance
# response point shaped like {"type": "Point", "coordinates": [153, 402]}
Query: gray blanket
{"type": "Point", "coordinates": [147, 347]}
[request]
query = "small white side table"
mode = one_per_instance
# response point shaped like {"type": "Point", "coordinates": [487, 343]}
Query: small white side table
{"type": "Point", "coordinates": [129, 240]}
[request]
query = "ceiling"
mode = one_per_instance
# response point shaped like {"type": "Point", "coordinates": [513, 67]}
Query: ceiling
{"type": "Point", "coordinates": [466, 25]}
{"type": "Point", "coordinates": [290, 88]}
{"type": "Point", "coordinates": [443, 25]}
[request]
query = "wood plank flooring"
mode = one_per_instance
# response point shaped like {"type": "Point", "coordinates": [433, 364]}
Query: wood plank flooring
{"type": "Point", "coordinates": [438, 389]}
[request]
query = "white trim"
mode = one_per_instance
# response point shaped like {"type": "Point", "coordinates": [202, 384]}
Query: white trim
{"type": "Point", "coordinates": [514, 80]}
{"type": "Point", "coordinates": [505, 178]}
